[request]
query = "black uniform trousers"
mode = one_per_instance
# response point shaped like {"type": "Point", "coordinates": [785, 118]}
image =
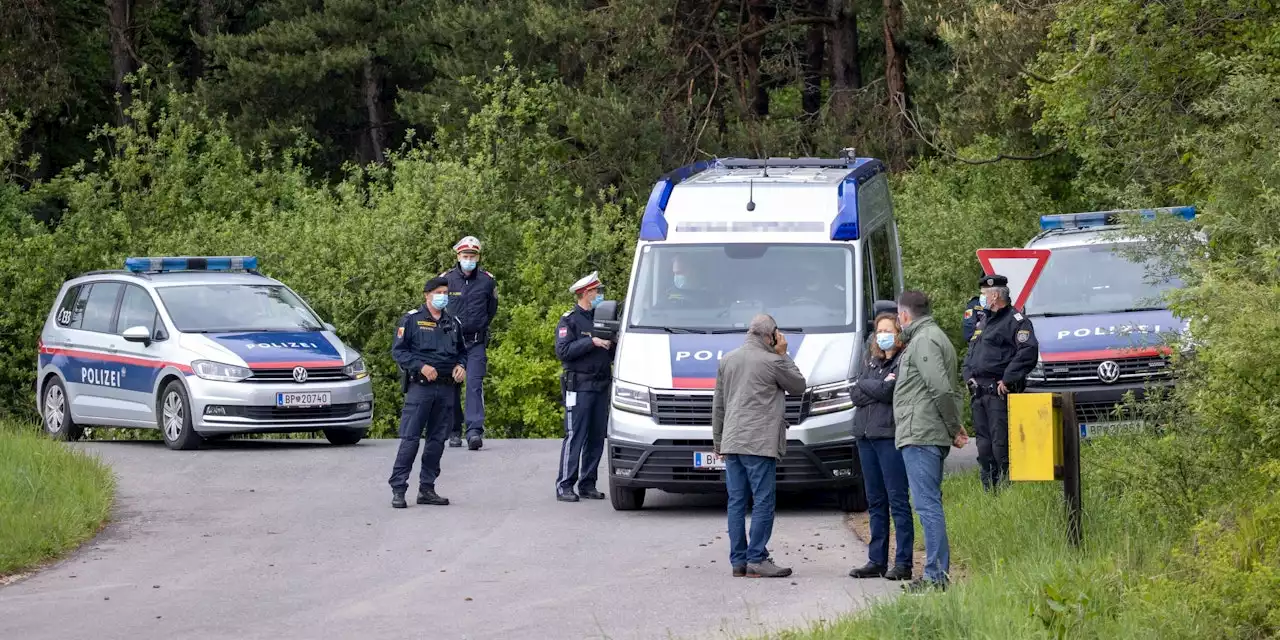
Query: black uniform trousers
{"type": "Point", "coordinates": [586, 425]}
{"type": "Point", "coordinates": [991, 426]}
{"type": "Point", "coordinates": [428, 408]}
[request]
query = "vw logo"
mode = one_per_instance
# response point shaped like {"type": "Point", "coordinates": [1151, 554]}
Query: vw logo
{"type": "Point", "coordinates": [1108, 371]}
{"type": "Point", "coordinates": [300, 374]}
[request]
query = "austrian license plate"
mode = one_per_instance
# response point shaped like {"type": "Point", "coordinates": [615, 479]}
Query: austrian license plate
{"type": "Point", "coordinates": [706, 460]}
{"type": "Point", "coordinates": [1100, 429]}
{"type": "Point", "coordinates": [304, 399]}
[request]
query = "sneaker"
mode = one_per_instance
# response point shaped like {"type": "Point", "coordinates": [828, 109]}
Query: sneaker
{"type": "Point", "coordinates": [899, 572]}
{"type": "Point", "coordinates": [429, 496]}
{"type": "Point", "coordinates": [766, 569]}
{"type": "Point", "coordinates": [923, 586]}
{"type": "Point", "coordinates": [455, 441]}
{"type": "Point", "coordinates": [474, 443]}
{"type": "Point", "coordinates": [397, 500]}
{"type": "Point", "coordinates": [740, 571]}
{"type": "Point", "coordinates": [869, 570]}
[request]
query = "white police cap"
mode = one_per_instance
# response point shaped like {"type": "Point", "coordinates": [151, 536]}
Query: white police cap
{"type": "Point", "coordinates": [591, 280]}
{"type": "Point", "coordinates": [469, 243]}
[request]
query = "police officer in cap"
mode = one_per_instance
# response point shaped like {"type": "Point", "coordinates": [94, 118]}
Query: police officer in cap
{"type": "Point", "coordinates": [588, 363]}
{"type": "Point", "coordinates": [474, 300]}
{"type": "Point", "coordinates": [428, 348]}
{"type": "Point", "coordinates": [973, 310]}
{"type": "Point", "coordinates": [1002, 352]}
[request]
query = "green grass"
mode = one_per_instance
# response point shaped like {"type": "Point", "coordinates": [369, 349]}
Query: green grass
{"type": "Point", "coordinates": [52, 498]}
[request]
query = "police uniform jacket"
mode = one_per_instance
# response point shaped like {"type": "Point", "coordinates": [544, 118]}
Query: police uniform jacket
{"type": "Point", "coordinates": [973, 312]}
{"type": "Point", "coordinates": [586, 366]}
{"type": "Point", "coordinates": [422, 339]}
{"type": "Point", "coordinates": [1003, 347]}
{"type": "Point", "coordinates": [473, 298]}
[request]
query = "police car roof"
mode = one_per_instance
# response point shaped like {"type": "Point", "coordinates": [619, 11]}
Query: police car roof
{"type": "Point", "coordinates": [1058, 238]}
{"type": "Point", "coordinates": [181, 278]}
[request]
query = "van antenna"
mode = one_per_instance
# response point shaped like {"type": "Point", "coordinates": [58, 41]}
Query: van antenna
{"type": "Point", "coordinates": [751, 195]}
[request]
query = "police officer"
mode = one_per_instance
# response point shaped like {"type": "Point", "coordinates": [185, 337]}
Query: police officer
{"type": "Point", "coordinates": [474, 300]}
{"type": "Point", "coordinates": [1002, 351]}
{"type": "Point", "coordinates": [973, 310]}
{"type": "Point", "coordinates": [588, 362]}
{"type": "Point", "coordinates": [428, 348]}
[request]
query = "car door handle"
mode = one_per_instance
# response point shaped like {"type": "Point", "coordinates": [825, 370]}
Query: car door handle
{"type": "Point", "coordinates": [112, 349]}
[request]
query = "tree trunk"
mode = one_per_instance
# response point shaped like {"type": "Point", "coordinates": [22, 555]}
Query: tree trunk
{"type": "Point", "coordinates": [895, 73]}
{"type": "Point", "coordinates": [206, 25]}
{"type": "Point", "coordinates": [846, 65]}
{"type": "Point", "coordinates": [814, 54]}
{"type": "Point", "coordinates": [372, 90]}
{"type": "Point", "coordinates": [757, 19]}
{"type": "Point", "coordinates": [120, 27]}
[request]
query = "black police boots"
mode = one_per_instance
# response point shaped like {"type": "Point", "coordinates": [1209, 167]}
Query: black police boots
{"type": "Point", "coordinates": [429, 496]}
{"type": "Point", "coordinates": [397, 500]}
{"type": "Point", "coordinates": [474, 443]}
{"type": "Point", "coordinates": [566, 495]}
{"type": "Point", "coordinates": [591, 494]}
{"type": "Point", "coordinates": [455, 441]}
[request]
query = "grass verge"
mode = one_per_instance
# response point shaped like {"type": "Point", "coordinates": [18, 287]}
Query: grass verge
{"type": "Point", "coordinates": [52, 498]}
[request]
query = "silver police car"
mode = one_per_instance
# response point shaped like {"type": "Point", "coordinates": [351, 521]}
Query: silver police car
{"type": "Point", "coordinates": [197, 348]}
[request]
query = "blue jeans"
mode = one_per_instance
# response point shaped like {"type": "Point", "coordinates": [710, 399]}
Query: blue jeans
{"type": "Point", "coordinates": [756, 476]}
{"type": "Point", "coordinates": [885, 477]}
{"type": "Point", "coordinates": [924, 473]}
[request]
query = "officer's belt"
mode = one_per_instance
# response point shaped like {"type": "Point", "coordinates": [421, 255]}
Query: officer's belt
{"type": "Point", "coordinates": [571, 379]}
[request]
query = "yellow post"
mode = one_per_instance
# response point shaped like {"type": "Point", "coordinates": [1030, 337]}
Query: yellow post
{"type": "Point", "coordinates": [1035, 437]}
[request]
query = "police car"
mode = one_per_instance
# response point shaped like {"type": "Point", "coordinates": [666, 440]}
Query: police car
{"type": "Point", "coordinates": [197, 348]}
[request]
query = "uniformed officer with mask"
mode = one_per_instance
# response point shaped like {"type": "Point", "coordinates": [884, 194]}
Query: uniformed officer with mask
{"type": "Point", "coordinates": [473, 297]}
{"type": "Point", "coordinates": [1002, 352]}
{"type": "Point", "coordinates": [428, 348]}
{"type": "Point", "coordinates": [973, 311]}
{"type": "Point", "coordinates": [588, 363]}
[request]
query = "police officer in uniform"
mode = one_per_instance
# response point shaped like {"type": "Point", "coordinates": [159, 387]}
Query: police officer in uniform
{"type": "Point", "coordinates": [428, 348]}
{"type": "Point", "coordinates": [473, 295]}
{"type": "Point", "coordinates": [1002, 352]}
{"type": "Point", "coordinates": [588, 363]}
{"type": "Point", "coordinates": [973, 310]}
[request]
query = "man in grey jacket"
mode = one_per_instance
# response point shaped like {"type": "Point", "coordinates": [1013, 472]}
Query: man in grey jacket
{"type": "Point", "coordinates": [749, 429]}
{"type": "Point", "coordinates": [926, 408]}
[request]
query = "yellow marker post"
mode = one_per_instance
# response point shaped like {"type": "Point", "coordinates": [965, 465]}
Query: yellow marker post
{"type": "Point", "coordinates": [1035, 437]}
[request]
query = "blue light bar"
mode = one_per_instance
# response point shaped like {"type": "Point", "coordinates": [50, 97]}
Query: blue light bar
{"type": "Point", "coordinates": [653, 226]}
{"type": "Point", "coordinates": [845, 226]}
{"type": "Point", "coordinates": [1104, 218]}
{"type": "Point", "coordinates": [191, 263]}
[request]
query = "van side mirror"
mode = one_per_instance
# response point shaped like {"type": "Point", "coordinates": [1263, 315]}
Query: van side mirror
{"type": "Point", "coordinates": [137, 334]}
{"type": "Point", "coordinates": [605, 322]}
{"type": "Point", "coordinates": [330, 328]}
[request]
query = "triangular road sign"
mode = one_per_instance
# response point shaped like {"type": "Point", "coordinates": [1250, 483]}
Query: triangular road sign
{"type": "Point", "coordinates": [1021, 266]}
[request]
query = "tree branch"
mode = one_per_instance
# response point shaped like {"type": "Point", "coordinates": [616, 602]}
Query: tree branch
{"type": "Point", "coordinates": [911, 122]}
{"type": "Point", "coordinates": [737, 46]}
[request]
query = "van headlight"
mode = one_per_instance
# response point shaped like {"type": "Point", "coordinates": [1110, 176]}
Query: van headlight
{"type": "Point", "coordinates": [356, 370]}
{"type": "Point", "coordinates": [631, 397]}
{"type": "Point", "coordinates": [829, 398]}
{"type": "Point", "coordinates": [1037, 372]}
{"type": "Point", "coordinates": [210, 370]}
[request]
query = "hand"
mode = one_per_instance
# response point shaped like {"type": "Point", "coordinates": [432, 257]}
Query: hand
{"type": "Point", "coordinates": [1004, 391]}
{"type": "Point", "coordinates": [603, 344]}
{"type": "Point", "coordinates": [973, 386]}
{"type": "Point", "coordinates": [459, 374]}
{"type": "Point", "coordinates": [961, 440]}
{"type": "Point", "coordinates": [780, 347]}
{"type": "Point", "coordinates": [429, 372]}
{"type": "Point", "coordinates": [891, 377]}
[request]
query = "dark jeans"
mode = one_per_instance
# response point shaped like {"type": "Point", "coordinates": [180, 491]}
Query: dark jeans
{"type": "Point", "coordinates": [991, 426]}
{"type": "Point", "coordinates": [924, 474]}
{"type": "Point", "coordinates": [885, 477]}
{"type": "Point", "coordinates": [754, 476]}
{"type": "Point", "coordinates": [586, 424]}
{"type": "Point", "coordinates": [477, 366]}
{"type": "Point", "coordinates": [429, 408]}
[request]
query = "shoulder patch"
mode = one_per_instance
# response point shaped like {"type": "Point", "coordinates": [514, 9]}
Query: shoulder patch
{"type": "Point", "coordinates": [968, 313]}
{"type": "Point", "coordinates": [1018, 316]}
{"type": "Point", "coordinates": [399, 332]}
{"type": "Point", "coordinates": [564, 331]}
{"type": "Point", "coordinates": [488, 274]}
{"type": "Point", "coordinates": [1024, 335]}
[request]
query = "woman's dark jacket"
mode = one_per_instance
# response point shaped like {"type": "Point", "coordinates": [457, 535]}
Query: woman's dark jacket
{"type": "Point", "coordinates": [874, 399]}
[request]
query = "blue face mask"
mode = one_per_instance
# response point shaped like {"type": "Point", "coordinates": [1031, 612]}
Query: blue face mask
{"type": "Point", "coordinates": [439, 301]}
{"type": "Point", "coordinates": [679, 280]}
{"type": "Point", "coordinates": [595, 302]}
{"type": "Point", "coordinates": [885, 340]}
{"type": "Point", "coordinates": [467, 265]}
{"type": "Point", "coordinates": [982, 301]}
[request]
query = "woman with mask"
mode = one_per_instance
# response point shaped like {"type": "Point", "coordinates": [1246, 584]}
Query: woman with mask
{"type": "Point", "coordinates": [883, 473]}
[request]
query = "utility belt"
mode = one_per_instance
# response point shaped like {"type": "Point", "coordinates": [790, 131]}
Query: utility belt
{"type": "Point", "coordinates": [443, 377]}
{"type": "Point", "coordinates": [574, 381]}
{"type": "Point", "coordinates": [990, 387]}
{"type": "Point", "coordinates": [475, 337]}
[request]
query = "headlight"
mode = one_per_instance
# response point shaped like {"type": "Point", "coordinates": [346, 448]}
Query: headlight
{"type": "Point", "coordinates": [830, 398]}
{"type": "Point", "coordinates": [1037, 371]}
{"type": "Point", "coordinates": [356, 370]}
{"type": "Point", "coordinates": [218, 371]}
{"type": "Point", "coordinates": [631, 397]}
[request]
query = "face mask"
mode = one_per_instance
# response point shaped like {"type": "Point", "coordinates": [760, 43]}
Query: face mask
{"type": "Point", "coordinates": [440, 301]}
{"type": "Point", "coordinates": [885, 340]}
{"type": "Point", "coordinates": [467, 265]}
{"type": "Point", "coordinates": [679, 280]}
{"type": "Point", "coordinates": [595, 302]}
{"type": "Point", "coordinates": [982, 301]}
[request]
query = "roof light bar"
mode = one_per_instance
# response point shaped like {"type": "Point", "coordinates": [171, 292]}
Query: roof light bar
{"type": "Point", "coordinates": [1104, 218]}
{"type": "Point", "coordinates": [192, 263]}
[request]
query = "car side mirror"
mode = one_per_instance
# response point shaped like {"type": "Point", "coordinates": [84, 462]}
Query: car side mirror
{"type": "Point", "coordinates": [330, 328]}
{"type": "Point", "coordinates": [605, 322]}
{"type": "Point", "coordinates": [137, 334]}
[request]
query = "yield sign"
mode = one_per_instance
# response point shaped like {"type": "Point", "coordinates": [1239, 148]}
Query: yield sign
{"type": "Point", "coordinates": [1021, 266]}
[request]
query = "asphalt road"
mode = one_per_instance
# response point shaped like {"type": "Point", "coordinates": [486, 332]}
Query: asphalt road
{"type": "Point", "coordinates": [263, 539]}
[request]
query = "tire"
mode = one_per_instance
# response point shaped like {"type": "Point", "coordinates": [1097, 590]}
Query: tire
{"type": "Point", "coordinates": [55, 412]}
{"type": "Point", "coordinates": [344, 437]}
{"type": "Point", "coordinates": [852, 499]}
{"type": "Point", "coordinates": [625, 498]}
{"type": "Point", "coordinates": [173, 417]}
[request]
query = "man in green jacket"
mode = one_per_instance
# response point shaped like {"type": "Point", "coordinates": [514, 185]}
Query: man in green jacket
{"type": "Point", "coordinates": [926, 409]}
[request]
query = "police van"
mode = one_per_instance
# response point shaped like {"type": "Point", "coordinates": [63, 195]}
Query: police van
{"type": "Point", "coordinates": [196, 348]}
{"type": "Point", "coordinates": [811, 242]}
{"type": "Point", "coordinates": [1100, 315]}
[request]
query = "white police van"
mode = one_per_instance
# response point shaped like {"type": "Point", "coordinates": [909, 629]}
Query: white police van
{"type": "Point", "coordinates": [810, 241]}
{"type": "Point", "coordinates": [196, 347]}
{"type": "Point", "coordinates": [1100, 315]}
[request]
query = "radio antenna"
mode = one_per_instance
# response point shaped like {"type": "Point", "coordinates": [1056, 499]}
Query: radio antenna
{"type": "Point", "coordinates": [751, 195]}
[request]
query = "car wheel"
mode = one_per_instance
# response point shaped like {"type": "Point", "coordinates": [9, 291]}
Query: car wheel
{"type": "Point", "coordinates": [343, 437]}
{"type": "Point", "coordinates": [173, 413]}
{"type": "Point", "coordinates": [852, 499]}
{"type": "Point", "coordinates": [56, 411]}
{"type": "Point", "coordinates": [625, 498]}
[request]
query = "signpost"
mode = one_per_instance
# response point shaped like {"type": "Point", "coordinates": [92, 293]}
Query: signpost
{"type": "Point", "coordinates": [1021, 266]}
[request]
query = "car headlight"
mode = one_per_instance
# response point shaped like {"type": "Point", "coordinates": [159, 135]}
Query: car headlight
{"type": "Point", "coordinates": [210, 370]}
{"type": "Point", "coordinates": [1037, 371]}
{"type": "Point", "coordinates": [631, 397]}
{"type": "Point", "coordinates": [829, 398]}
{"type": "Point", "coordinates": [356, 370]}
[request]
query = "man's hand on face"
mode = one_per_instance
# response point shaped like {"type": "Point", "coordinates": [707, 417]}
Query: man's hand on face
{"type": "Point", "coordinates": [429, 372]}
{"type": "Point", "coordinates": [603, 344]}
{"type": "Point", "coordinates": [780, 346]}
{"type": "Point", "coordinates": [459, 374]}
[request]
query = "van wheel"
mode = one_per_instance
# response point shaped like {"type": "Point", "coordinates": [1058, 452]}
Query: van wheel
{"type": "Point", "coordinates": [56, 410]}
{"type": "Point", "coordinates": [173, 413]}
{"type": "Point", "coordinates": [625, 498]}
{"type": "Point", "coordinates": [343, 437]}
{"type": "Point", "coordinates": [852, 499]}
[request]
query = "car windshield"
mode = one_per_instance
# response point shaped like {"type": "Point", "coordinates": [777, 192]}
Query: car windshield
{"type": "Point", "coordinates": [218, 308]}
{"type": "Point", "coordinates": [719, 288]}
{"type": "Point", "coordinates": [1096, 279]}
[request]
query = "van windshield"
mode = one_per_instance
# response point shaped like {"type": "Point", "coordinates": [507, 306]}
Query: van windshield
{"type": "Point", "coordinates": [221, 308]}
{"type": "Point", "coordinates": [1096, 279]}
{"type": "Point", "coordinates": [719, 288]}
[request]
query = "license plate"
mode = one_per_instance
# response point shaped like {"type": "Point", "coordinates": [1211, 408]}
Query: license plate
{"type": "Point", "coordinates": [706, 460]}
{"type": "Point", "coordinates": [294, 399]}
{"type": "Point", "coordinates": [1099, 429]}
